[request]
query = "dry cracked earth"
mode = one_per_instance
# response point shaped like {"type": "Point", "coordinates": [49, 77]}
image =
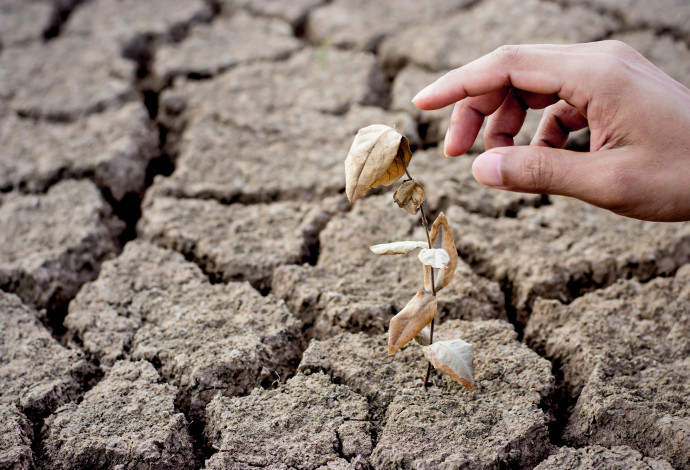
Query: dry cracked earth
{"type": "Point", "coordinates": [184, 284]}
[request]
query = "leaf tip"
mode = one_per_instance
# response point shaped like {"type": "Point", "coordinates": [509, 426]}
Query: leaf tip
{"type": "Point", "coordinates": [393, 344]}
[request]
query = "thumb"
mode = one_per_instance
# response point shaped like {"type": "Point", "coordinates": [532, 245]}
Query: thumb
{"type": "Point", "coordinates": [531, 169]}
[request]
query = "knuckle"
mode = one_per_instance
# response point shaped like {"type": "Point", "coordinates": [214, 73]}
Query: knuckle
{"type": "Point", "coordinates": [619, 60]}
{"type": "Point", "coordinates": [618, 48]}
{"type": "Point", "coordinates": [508, 52]}
{"type": "Point", "coordinates": [537, 170]}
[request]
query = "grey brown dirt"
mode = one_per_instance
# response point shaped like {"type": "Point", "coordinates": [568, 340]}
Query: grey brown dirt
{"type": "Point", "coordinates": [184, 285]}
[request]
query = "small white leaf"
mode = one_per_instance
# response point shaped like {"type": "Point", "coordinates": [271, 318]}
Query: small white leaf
{"type": "Point", "coordinates": [454, 358]}
{"type": "Point", "coordinates": [424, 336]}
{"type": "Point", "coordinates": [398, 248]}
{"type": "Point", "coordinates": [435, 257]}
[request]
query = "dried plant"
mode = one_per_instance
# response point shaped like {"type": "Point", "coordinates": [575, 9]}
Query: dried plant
{"type": "Point", "coordinates": [379, 156]}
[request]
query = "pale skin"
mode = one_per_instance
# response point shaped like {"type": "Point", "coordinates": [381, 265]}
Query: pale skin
{"type": "Point", "coordinates": [639, 118]}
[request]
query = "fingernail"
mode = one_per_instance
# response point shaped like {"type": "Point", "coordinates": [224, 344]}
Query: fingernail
{"type": "Point", "coordinates": [487, 169]}
{"type": "Point", "coordinates": [422, 94]}
{"type": "Point", "coordinates": [445, 143]}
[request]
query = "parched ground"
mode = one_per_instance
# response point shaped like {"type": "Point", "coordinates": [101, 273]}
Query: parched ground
{"type": "Point", "coordinates": [183, 284]}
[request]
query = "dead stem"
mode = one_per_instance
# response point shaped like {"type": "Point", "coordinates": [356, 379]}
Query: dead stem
{"type": "Point", "coordinates": [425, 223]}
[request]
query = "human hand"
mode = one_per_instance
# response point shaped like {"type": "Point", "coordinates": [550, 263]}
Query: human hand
{"type": "Point", "coordinates": [639, 121]}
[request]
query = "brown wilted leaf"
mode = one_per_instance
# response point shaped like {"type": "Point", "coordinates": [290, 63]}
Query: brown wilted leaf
{"type": "Point", "coordinates": [454, 358]}
{"type": "Point", "coordinates": [372, 160]}
{"type": "Point", "coordinates": [441, 237]}
{"type": "Point", "coordinates": [409, 196]}
{"type": "Point", "coordinates": [412, 319]}
{"type": "Point", "coordinates": [397, 248]}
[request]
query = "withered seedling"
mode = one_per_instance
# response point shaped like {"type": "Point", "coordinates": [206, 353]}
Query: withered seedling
{"type": "Point", "coordinates": [379, 156]}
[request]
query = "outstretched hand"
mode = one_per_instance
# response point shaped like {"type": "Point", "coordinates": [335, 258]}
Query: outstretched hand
{"type": "Point", "coordinates": [639, 121]}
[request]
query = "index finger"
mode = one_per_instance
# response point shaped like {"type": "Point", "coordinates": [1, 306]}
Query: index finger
{"type": "Point", "coordinates": [533, 68]}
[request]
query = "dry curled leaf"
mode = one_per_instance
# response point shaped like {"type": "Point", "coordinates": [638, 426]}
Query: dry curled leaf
{"type": "Point", "coordinates": [372, 160]}
{"type": "Point", "coordinates": [412, 319]}
{"type": "Point", "coordinates": [454, 358]}
{"type": "Point", "coordinates": [441, 237]}
{"type": "Point", "coordinates": [424, 336]}
{"type": "Point", "coordinates": [437, 258]}
{"type": "Point", "coordinates": [409, 196]}
{"type": "Point", "coordinates": [398, 248]}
